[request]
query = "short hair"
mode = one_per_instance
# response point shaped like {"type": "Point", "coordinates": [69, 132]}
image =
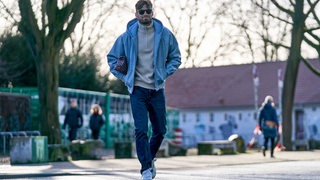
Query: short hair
{"type": "Point", "coordinates": [141, 3]}
{"type": "Point", "coordinates": [73, 103]}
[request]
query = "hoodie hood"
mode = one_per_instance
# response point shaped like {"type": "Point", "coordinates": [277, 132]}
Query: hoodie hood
{"type": "Point", "coordinates": [167, 57]}
{"type": "Point", "coordinates": [131, 23]}
{"type": "Point", "coordinates": [267, 106]}
{"type": "Point", "coordinates": [132, 26]}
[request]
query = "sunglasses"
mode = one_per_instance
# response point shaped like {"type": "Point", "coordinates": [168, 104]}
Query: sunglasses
{"type": "Point", "coordinates": [148, 11]}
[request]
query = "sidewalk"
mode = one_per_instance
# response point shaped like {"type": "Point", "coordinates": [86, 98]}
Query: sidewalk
{"type": "Point", "coordinates": [129, 168]}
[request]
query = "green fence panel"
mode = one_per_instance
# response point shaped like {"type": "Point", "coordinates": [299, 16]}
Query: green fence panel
{"type": "Point", "coordinates": [119, 125]}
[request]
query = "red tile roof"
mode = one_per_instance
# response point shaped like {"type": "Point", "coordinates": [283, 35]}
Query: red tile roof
{"type": "Point", "coordinates": [227, 86]}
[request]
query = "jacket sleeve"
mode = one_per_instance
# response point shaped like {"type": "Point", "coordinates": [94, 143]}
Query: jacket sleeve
{"type": "Point", "coordinates": [275, 117]}
{"type": "Point", "coordinates": [174, 57]}
{"type": "Point", "coordinates": [65, 121]}
{"type": "Point", "coordinates": [90, 121]}
{"type": "Point", "coordinates": [81, 118]}
{"type": "Point", "coordinates": [101, 120]}
{"type": "Point", "coordinates": [116, 51]}
{"type": "Point", "coordinates": [260, 118]}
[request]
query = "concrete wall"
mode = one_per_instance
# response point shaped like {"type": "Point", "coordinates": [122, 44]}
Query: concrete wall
{"type": "Point", "coordinates": [215, 125]}
{"type": "Point", "coordinates": [31, 149]}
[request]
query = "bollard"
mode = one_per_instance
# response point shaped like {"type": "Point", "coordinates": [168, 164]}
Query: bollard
{"type": "Point", "coordinates": [178, 135]}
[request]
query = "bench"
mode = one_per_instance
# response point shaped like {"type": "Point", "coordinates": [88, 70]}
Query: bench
{"type": "Point", "coordinates": [208, 147]}
{"type": "Point", "coordinates": [168, 148]}
{"type": "Point", "coordinates": [297, 144]}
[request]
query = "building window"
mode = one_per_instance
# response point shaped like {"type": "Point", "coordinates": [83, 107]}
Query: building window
{"type": "Point", "coordinates": [226, 117]}
{"type": "Point", "coordinates": [255, 115]}
{"type": "Point", "coordinates": [184, 117]}
{"type": "Point", "coordinates": [314, 108]}
{"type": "Point", "coordinates": [240, 116]}
{"type": "Point", "coordinates": [198, 117]}
{"type": "Point", "coordinates": [211, 117]}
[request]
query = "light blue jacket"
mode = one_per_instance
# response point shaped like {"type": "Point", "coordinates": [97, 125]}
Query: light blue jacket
{"type": "Point", "coordinates": [166, 58]}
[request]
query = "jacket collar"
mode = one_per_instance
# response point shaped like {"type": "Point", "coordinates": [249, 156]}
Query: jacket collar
{"type": "Point", "coordinates": [132, 26]}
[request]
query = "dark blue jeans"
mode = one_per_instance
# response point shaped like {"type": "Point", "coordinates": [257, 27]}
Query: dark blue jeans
{"type": "Point", "coordinates": [72, 134]}
{"type": "Point", "coordinates": [148, 103]}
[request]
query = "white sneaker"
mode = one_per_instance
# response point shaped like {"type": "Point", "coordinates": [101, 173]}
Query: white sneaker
{"type": "Point", "coordinates": [153, 168]}
{"type": "Point", "coordinates": [146, 174]}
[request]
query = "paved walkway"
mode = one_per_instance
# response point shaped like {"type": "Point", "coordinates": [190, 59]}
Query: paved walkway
{"type": "Point", "coordinates": [129, 168]}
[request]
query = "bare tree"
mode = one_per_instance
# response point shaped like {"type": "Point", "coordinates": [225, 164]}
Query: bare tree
{"type": "Point", "coordinates": [226, 29]}
{"type": "Point", "coordinates": [195, 23]}
{"type": "Point", "coordinates": [8, 16]}
{"type": "Point", "coordinates": [304, 20]}
{"type": "Point", "coordinates": [50, 27]}
{"type": "Point", "coordinates": [258, 37]}
{"type": "Point", "coordinates": [46, 32]}
{"type": "Point", "coordinates": [91, 29]}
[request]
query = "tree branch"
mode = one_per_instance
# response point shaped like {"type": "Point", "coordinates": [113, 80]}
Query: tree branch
{"type": "Point", "coordinates": [290, 13]}
{"type": "Point", "coordinates": [29, 27]}
{"type": "Point", "coordinates": [8, 11]}
{"type": "Point", "coordinates": [317, 38]}
{"type": "Point", "coordinates": [311, 10]}
{"type": "Point", "coordinates": [311, 67]}
{"type": "Point", "coordinates": [76, 9]}
{"type": "Point", "coordinates": [51, 12]}
{"type": "Point", "coordinates": [275, 2]}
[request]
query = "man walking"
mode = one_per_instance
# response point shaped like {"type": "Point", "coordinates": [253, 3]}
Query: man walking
{"type": "Point", "coordinates": [151, 54]}
{"type": "Point", "coordinates": [74, 120]}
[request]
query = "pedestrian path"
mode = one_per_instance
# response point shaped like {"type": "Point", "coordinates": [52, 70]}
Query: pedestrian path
{"type": "Point", "coordinates": [129, 168]}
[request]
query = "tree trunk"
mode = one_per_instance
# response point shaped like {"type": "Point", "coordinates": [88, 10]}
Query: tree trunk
{"type": "Point", "coordinates": [48, 77]}
{"type": "Point", "coordinates": [291, 73]}
{"type": "Point", "coordinates": [45, 45]}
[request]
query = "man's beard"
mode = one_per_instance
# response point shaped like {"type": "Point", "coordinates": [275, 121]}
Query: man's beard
{"type": "Point", "coordinates": [145, 22]}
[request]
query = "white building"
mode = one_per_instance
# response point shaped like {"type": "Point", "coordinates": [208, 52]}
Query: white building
{"type": "Point", "coordinates": [215, 102]}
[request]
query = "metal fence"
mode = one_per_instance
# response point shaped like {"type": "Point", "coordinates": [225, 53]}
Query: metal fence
{"type": "Point", "coordinates": [118, 126]}
{"type": "Point", "coordinates": [6, 136]}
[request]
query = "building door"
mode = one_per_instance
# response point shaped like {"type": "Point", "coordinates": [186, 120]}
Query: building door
{"type": "Point", "coordinates": [299, 125]}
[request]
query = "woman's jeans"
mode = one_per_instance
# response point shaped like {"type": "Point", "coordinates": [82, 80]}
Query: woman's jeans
{"type": "Point", "coordinates": [148, 103]}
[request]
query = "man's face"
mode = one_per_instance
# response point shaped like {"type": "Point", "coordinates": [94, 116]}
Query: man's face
{"type": "Point", "coordinates": [73, 103]}
{"type": "Point", "coordinates": [144, 15]}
